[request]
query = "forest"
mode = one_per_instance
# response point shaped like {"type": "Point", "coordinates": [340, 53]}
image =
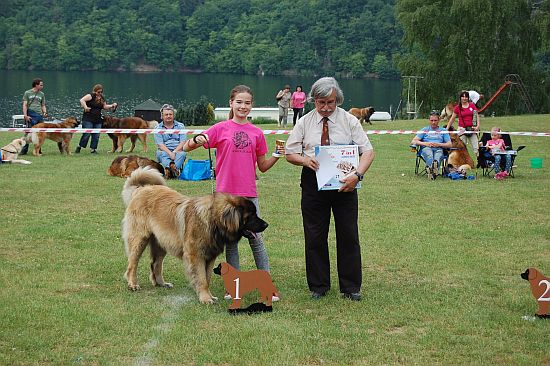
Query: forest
{"type": "Point", "coordinates": [351, 38]}
{"type": "Point", "coordinates": [454, 44]}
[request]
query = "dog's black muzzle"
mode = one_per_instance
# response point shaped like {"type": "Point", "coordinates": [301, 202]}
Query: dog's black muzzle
{"type": "Point", "coordinates": [525, 275]}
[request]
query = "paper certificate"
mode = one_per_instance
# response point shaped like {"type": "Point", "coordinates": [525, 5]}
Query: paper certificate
{"type": "Point", "coordinates": [335, 162]}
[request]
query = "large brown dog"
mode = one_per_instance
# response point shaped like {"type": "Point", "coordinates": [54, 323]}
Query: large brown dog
{"type": "Point", "coordinates": [63, 139]}
{"type": "Point", "coordinates": [459, 156]}
{"type": "Point", "coordinates": [540, 288]}
{"type": "Point", "coordinates": [132, 123]}
{"type": "Point", "coordinates": [123, 166]}
{"type": "Point", "coordinates": [11, 151]}
{"type": "Point", "coordinates": [194, 229]}
{"type": "Point", "coordinates": [245, 282]}
{"type": "Point", "coordinates": [363, 114]}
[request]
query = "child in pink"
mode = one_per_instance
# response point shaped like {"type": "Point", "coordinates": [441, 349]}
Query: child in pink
{"type": "Point", "coordinates": [240, 147]}
{"type": "Point", "coordinates": [494, 146]}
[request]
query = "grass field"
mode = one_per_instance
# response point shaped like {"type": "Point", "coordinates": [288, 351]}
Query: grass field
{"type": "Point", "coordinates": [441, 265]}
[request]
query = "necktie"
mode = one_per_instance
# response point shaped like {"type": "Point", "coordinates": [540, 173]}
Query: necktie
{"type": "Point", "coordinates": [325, 140]}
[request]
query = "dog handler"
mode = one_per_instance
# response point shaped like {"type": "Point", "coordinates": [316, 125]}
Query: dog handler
{"type": "Point", "coordinates": [329, 124]}
{"type": "Point", "coordinates": [33, 102]}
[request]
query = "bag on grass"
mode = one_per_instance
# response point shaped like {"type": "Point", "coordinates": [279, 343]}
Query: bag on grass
{"type": "Point", "coordinates": [196, 170]}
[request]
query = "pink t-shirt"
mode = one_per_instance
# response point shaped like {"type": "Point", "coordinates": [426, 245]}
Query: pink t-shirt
{"type": "Point", "coordinates": [298, 99]}
{"type": "Point", "coordinates": [497, 144]}
{"type": "Point", "coordinates": [466, 115]}
{"type": "Point", "coordinates": [237, 149]}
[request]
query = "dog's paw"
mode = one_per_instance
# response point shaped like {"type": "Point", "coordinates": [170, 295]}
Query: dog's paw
{"type": "Point", "coordinates": [134, 287]}
{"type": "Point", "coordinates": [206, 299]}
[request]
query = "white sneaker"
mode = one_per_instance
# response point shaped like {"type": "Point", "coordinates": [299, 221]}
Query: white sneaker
{"type": "Point", "coordinates": [227, 296]}
{"type": "Point", "coordinates": [275, 298]}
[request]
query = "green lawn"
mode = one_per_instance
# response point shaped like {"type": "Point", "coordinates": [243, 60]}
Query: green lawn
{"type": "Point", "coordinates": [441, 265]}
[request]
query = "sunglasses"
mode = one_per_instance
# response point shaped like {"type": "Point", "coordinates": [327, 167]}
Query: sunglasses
{"type": "Point", "coordinates": [167, 107]}
{"type": "Point", "coordinates": [434, 113]}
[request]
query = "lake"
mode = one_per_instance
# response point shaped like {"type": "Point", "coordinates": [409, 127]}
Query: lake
{"type": "Point", "coordinates": [64, 89]}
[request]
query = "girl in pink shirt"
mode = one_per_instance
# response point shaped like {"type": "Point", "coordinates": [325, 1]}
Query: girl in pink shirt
{"type": "Point", "coordinates": [494, 146]}
{"type": "Point", "coordinates": [240, 147]}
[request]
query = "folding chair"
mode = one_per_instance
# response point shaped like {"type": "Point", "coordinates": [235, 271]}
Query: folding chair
{"type": "Point", "coordinates": [419, 170]}
{"type": "Point", "coordinates": [486, 160]}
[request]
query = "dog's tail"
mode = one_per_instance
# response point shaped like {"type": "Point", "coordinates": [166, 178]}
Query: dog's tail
{"type": "Point", "coordinates": [141, 177]}
{"type": "Point", "coordinates": [32, 138]}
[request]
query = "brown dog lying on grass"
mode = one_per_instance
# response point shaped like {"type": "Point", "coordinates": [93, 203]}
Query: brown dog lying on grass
{"type": "Point", "coordinates": [363, 114]}
{"type": "Point", "coordinates": [123, 166]}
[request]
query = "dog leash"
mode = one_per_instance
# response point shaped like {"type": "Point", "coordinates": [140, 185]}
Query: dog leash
{"type": "Point", "coordinates": [212, 168]}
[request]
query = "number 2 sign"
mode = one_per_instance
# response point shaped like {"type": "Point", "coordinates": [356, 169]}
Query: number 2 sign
{"type": "Point", "coordinates": [540, 288]}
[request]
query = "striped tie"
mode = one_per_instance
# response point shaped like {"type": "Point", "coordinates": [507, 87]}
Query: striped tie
{"type": "Point", "coordinates": [325, 140]}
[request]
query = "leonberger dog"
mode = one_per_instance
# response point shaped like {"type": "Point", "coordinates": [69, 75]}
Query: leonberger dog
{"type": "Point", "coordinates": [63, 139]}
{"type": "Point", "coordinates": [132, 123]}
{"type": "Point", "coordinates": [11, 151]}
{"type": "Point", "coordinates": [540, 288]}
{"type": "Point", "coordinates": [249, 281]}
{"type": "Point", "coordinates": [194, 229]}
{"type": "Point", "coordinates": [459, 156]}
{"type": "Point", "coordinates": [123, 166]}
{"type": "Point", "coordinates": [363, 114]}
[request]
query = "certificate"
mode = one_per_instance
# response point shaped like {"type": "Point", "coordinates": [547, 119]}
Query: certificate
{"type": "Point", "coordinates": [335, 162]}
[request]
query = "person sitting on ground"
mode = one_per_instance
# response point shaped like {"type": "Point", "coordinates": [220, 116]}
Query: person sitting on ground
{"type": "Point", "coordinates": [170, 146]}
{"type": "Point", "coordinates": [432, 143]}
{"type": "Point", "coordinates": [495, 146]}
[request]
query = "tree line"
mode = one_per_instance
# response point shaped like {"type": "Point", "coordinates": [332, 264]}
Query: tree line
{"type": "Point", "coordinates": [453, 45]}
{"type": "Point", "coordinates": [353, 38]}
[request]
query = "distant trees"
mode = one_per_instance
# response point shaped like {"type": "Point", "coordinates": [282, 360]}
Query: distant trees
{"type": "Point", "coordinates": [236, 36]}
{"type": "Point", "coordinates": [469, 44]}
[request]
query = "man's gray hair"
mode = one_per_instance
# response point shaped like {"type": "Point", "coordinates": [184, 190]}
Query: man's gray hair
{"type": "Point", "coordinates": [323, 88]}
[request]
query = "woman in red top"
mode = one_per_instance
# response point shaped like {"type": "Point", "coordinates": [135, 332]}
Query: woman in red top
{"type": "Point", "coordinates": [468, 120]}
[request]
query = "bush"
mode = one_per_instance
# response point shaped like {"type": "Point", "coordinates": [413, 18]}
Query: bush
{"type": "Point", "coordinates": [199, 114]}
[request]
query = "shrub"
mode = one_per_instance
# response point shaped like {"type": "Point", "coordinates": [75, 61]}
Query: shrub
{"type": "Point", "coordinates": [198, 114]}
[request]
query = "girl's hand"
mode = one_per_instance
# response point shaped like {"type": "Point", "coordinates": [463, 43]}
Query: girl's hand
{"type": "Point", "coordinates": [200, 139]}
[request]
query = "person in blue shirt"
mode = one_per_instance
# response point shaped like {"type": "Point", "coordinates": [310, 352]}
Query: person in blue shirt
{"type": "Point", "coordinates": [170, 146]}
{"type": "Point", "coordinates": [432, 144]}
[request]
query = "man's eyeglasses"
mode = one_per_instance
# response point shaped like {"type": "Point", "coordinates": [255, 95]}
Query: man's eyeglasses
{"type": "Point", "coordinates": [434, 113]}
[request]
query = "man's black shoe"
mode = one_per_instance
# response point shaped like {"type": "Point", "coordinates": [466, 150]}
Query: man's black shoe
{"type": "Point", "coordinates": [317, 295]}
{"type": "Point", "coordinates": [353, 296]}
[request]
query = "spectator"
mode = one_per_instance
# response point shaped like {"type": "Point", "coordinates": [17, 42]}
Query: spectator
{"type": "Point", "coordinates": [283, 101]}
{"type": "Point", "coordinates": [432, 143]}
{"type": "Point", "coordinates": [297, 102]}
{"type": "Point", "coordinates": [170, 151]}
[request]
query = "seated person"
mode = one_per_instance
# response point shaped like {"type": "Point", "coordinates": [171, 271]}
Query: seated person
{"type": "Point", "coordinates": [495, 146]}
{"type": "Point", "coordinates": [432, 144]}
{"type": "Point", "coordinates": [170, 146]}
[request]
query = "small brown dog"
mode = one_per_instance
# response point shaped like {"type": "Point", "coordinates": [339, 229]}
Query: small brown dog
{"type": "Point", "coordinates": [132, 123]}
{"type": "Point", "coordinates": [11, 151]}
{"type": "Point", "coordinates": [540, 288]}
{"type": "Point", "coordinates": [123, 166]}
{"type": "Point", "coordinates": [63, 139]}
{"type": "Point", "coordinates": [237, 283]}
{"type": "Point", "coordinates": [459, 156]}
{"type": "Point", "coordinates": [363, 114]}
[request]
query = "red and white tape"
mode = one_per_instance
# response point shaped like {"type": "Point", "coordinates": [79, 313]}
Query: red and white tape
{"type": "Point", "coordinates": [266, 132]}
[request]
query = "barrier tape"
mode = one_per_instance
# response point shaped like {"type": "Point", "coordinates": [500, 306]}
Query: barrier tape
{"type": "Point", "coordinates": [266, 132]}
